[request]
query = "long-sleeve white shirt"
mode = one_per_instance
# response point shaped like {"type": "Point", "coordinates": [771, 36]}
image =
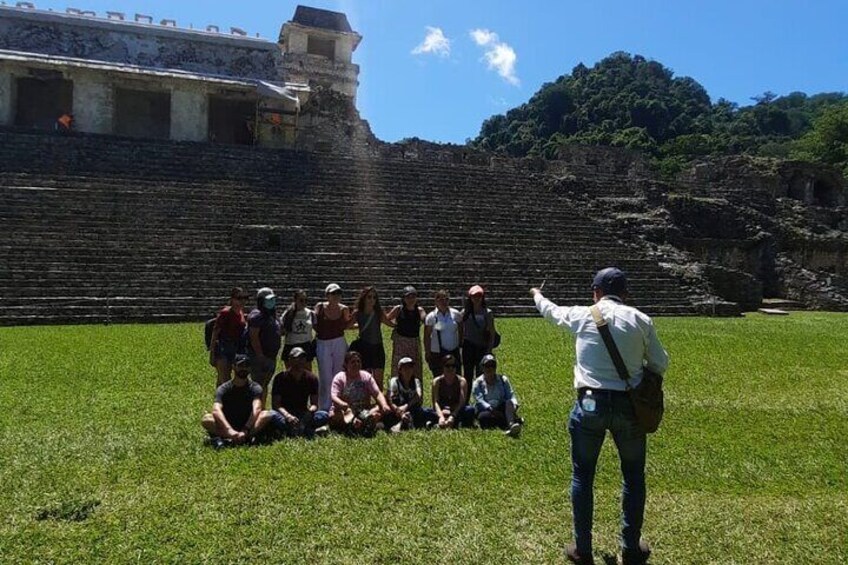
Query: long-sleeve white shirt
{"type": "Point", "coordinates": [632, 331]}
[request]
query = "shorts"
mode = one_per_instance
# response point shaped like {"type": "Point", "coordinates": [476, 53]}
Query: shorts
{"type": "Point", "coordinates": [309, 347]}
{"type": "Point", "coordinates": [373, 355]}
{"type": "Point", "coordinates": [226, 350]}
{"type": "Point", "coordinates": [262, 369]}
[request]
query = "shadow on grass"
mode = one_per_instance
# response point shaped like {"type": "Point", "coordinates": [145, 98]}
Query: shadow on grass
{"type": "Point", "coordinates": [68, 511]}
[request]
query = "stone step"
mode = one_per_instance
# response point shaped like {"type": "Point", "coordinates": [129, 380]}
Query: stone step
{"type": "Point", "coordinates": [86, 215]}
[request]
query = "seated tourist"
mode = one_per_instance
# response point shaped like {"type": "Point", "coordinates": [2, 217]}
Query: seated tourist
{"type": "Point", "coordinates": [449, 394]}
{"type": "Point", "coordinates": [294, 397]}
{"type": "Point", "coordinates": [405, 401]}
{"type": "Point", "coordinates": [353, 393]}
{"type": "Point", "coordinates": [495, 401]}
{"type": "Point", "coordinates": [237, 416]}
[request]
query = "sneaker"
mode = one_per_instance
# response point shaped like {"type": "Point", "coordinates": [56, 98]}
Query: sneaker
{"type": "Point", "coordinates": [638, 556]}
{"type": "Point", "coordinates": [217, 443]}
{"type": "Point", "coordinates": [514, 430]}
{"type": "Point", "coordinates": [396, 428]}
{"type": "Point", "coordinates": [572, 556]}
{"type": "Point", "coordinates": [322, 431]}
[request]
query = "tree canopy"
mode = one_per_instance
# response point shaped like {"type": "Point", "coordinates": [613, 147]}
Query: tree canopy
{"type": "Point", "coordinates": [629, 101]}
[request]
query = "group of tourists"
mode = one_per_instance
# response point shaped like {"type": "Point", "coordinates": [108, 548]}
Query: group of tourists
{"type": "Point", "coordinates": [617, 352]}
{"type": "Point", "coordinates": [347, 395]}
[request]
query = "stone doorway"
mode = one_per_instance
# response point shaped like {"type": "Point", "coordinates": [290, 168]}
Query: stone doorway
{"type": "Point", "coordinates": [41, 101]}
{"type": "Point", "coordinates": [231, 121]}
{"type": "Point", "coordinates": [143, 113]}
{"type": "Point", "coordinates": [824, 194]}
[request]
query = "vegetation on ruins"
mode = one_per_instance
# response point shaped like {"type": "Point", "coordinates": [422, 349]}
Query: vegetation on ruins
{"type": "Point", "coordinates": [102, 458]}
{"type": "Point", "coordinates": [629, 101]}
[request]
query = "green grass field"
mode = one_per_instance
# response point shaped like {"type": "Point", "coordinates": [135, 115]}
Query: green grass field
{"type": "Point", "coordinates": [102, 458]}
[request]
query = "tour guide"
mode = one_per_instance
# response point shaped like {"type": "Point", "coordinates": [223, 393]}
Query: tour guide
{"type": "Point", "coordinates": [602, 404]}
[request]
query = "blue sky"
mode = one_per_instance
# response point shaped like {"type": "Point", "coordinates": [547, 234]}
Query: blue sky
{"type": "Point", "coordinates": [736, 49]}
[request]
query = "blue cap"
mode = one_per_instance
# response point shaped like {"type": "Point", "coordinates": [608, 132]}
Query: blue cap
{"type": "Point", "coordinates": [241, 360]}
{"type": "Point", "coordinates": [611, 280]}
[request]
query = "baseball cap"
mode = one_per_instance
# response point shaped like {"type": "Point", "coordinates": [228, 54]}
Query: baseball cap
{"type": "Point", "coordinates": [611, 280]}
{"type": "Point", "coordinates": [331, 288]}
{"type": "Point", "coordinates": [409, 289]}
{"type": "Point", "coordinates": [241, 361]}
{"type": "Point", "coordinates": [296, 352]}
{"type": "Point", "coordinates": [487, 359]}
{"type": "Point", "coordinates": [405, 361]}
{"type": "Point", "coordinates": [265, 292]}
{"type": "Point", "coordinates": [476, 289]}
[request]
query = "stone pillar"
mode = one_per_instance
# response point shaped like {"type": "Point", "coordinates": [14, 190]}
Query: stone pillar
{"type": "Point", "coordinates": [7, 111]}
{"type": "Point", "coordinates": [94, 105]}
{"type": "Point", "coordinates": [189, 115]}
{"type": "Point", "coordinates": [809, 194]}
{"type": "Point", "coordinates": [344, 50]}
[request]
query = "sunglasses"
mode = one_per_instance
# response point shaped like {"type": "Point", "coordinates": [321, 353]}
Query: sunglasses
{"type": "Point", "coordinates": [450, 365]}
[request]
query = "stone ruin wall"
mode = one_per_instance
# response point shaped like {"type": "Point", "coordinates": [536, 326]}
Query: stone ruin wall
{"type": "Point", "coordinates": [145, 45]}
{"type": "Point", "coordinates": [739, 228]}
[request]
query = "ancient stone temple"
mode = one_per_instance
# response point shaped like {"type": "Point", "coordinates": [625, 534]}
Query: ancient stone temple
{"type": "Point", "coordinates": [134, 77]}
{"type": "Point", "coordinates": [201, 159]}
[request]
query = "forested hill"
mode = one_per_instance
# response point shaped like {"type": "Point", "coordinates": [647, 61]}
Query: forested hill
{"type": "Point", "coordinates": [628, 101]}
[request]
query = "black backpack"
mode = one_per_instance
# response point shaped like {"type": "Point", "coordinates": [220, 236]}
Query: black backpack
{"type": "Point", "coordinates": [208, 328]}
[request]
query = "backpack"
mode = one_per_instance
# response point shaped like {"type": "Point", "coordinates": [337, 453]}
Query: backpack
{"type": "Point", "coordinates": [208, 328]}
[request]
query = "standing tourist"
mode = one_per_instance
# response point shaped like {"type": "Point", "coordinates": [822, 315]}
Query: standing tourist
{"type": "Point", "coordinates": [331, 319]}
{"type": "Point", "coordinates": [408, 317]}
{"type": "Point", "coordinates": [495, 401]}
{"type": "Point", "coordinates": [449, 394]}
{"type": "Point", "coordinates": [228, 335]}
{"type": "Point", "coordinates": [442, 333]}
{"type": "Point", "coordinates": [478, 332]}
{"type": "Point", "coordinates": [603, 404]}
{"type": "Point", "coordinates": [264, 339]}
{"type": "Point", "coordinates": [298, 323]}
{"type": "Point", "coordinates": [369, 317]}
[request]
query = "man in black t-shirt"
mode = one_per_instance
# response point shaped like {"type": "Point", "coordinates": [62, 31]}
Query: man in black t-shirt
{"type": "Point", "coordinates": [237, 416]}
{"type": "Point", "coordinates": [294, 398]}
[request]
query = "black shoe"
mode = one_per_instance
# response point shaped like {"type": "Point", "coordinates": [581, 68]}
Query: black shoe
{"type": "Point", "coordinates": [638, 556]}
{"type": "Point", "coordinates": [217, 443]}
{"type": "Point", "coordinates": [574, 557]}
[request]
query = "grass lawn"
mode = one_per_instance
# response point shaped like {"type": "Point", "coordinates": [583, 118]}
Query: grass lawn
{"type": "Point", "coordinates": [102, 458]}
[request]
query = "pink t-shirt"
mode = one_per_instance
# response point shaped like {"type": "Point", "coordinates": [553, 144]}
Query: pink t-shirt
{"type": "Point", "coordinates": [357, 392]}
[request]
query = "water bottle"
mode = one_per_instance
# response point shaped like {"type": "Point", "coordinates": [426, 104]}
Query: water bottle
{"type": "Point", "coordinates": [588, 402]}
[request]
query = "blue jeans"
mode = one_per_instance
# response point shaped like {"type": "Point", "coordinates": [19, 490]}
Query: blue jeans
{"type": "Point", "coordinates": [309, 421]}
{"type": "Point", "coordinates": [420, 417]}
{"type": "Point", "coordinates": [613, 412]}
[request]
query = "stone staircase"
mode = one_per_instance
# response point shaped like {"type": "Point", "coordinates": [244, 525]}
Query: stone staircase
{"type": "Point", "coordinates": [106, 229]}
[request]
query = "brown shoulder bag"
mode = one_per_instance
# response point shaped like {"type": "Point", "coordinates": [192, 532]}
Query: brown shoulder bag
{"type": "Point", "coordinates": [647, 398]}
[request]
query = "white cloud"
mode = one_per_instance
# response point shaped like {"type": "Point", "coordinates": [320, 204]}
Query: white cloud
{"type": "Point", "coordinates": [435, 42]}
{"type": "Point", "coordinates": [499, 56]}
{"type": "Point", "coordinates": [483, 37]}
